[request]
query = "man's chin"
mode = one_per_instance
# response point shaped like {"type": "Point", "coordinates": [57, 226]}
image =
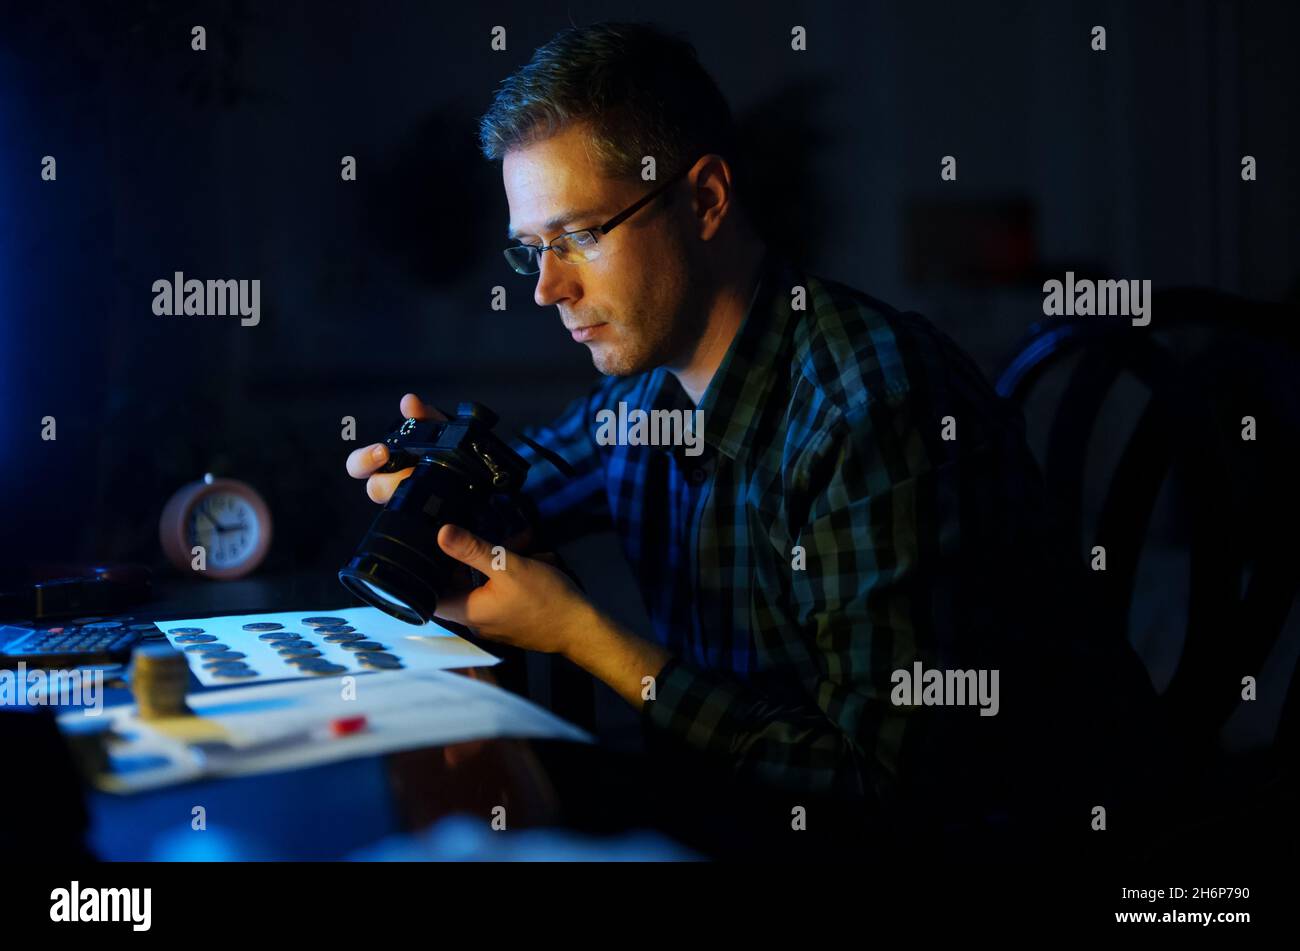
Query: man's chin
{"type": "Point", "coordinates": [610, 361]}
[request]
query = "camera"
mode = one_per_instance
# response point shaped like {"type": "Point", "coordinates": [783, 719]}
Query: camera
{"type": "Point", "coordinates": [464, 475]}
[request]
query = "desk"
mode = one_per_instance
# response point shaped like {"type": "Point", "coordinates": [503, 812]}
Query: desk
{"type": "Point", "coordinates": [322, 812]}
{"type": "Point", "coordinates": [330, 811]}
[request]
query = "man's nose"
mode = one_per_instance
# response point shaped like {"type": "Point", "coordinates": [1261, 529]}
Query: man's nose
{"type": "Point", "coordinates": [556, 281]}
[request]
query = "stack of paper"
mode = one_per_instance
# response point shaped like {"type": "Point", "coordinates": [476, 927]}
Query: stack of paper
{"type": "Point", "coordinates": [287, 725]}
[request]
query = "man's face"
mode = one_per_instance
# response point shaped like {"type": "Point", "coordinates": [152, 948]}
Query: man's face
{"type": "Point", "coordinates": [634, 306]}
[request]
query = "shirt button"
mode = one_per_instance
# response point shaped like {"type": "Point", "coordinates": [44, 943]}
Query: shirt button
{"type": "Point", "coordinates": [698, 476]}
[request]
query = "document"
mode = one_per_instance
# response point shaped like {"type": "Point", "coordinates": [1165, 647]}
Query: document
{"type": "Point", "coordinates": [291, 724]}
{"type": "Point", "coordinates": [426, 647]}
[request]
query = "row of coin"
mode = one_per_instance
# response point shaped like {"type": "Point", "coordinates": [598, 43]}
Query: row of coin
{"type": "Point", "coordinates": [223, 661]}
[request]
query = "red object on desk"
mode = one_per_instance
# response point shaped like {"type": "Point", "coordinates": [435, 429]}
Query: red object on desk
{"type": "Point", "coordinates": [346, 725]}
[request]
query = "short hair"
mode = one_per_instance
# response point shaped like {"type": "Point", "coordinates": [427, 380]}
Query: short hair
{"type": "Point", "coordinates": [642, 91]}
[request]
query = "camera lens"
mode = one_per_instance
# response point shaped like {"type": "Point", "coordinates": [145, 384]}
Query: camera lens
{"type": "Point", "coordinates": [386, 601]}
{"type": "Point", "coordinates": [462, 475]}
{"type": "Point", "coordinates": [398, 567]}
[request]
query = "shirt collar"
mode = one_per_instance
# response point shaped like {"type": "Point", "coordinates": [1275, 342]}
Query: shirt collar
{"type": "Point", "coordinates": [736, 395]}
{"type": "Point", "coordinates": [734, 401]}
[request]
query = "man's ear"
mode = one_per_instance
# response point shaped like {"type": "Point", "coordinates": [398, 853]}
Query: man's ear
{"type": "Point", "coordinates": [712, 190]}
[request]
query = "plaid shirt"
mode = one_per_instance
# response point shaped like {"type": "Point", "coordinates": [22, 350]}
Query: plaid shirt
{"type": "Point", "coordinates": [828, 535]}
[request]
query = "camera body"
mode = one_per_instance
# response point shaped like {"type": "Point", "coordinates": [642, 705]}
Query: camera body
{"type": "Point", "coordinates": [464, 475]}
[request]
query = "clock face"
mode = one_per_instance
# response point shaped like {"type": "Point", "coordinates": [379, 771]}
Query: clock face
{"type": "Point", "coordinates": [227, 527]}
{"type": "Point", "coordinates": [228, 518]}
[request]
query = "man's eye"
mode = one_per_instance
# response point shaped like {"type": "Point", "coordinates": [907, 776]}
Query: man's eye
{"type": "Point", "coordinates": [584, 238]}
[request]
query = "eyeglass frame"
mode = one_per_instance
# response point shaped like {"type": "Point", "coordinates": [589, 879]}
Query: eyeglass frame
{"type": "Point", "coordinates": [604, 229]}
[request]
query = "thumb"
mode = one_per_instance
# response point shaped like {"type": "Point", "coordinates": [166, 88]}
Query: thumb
{"type": "Point", "coordinates": [465, 547]}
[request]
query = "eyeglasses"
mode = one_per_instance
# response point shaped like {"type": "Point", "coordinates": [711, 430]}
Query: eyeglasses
{"type": "Point", "coordinates": [575, 247]}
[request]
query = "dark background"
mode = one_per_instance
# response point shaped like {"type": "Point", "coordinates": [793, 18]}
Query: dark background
{"type": "Point", "coordinates": [225, 164]}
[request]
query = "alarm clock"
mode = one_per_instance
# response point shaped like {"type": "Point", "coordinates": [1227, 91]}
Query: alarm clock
{"type": "Point", "coordinates": [227, 517]}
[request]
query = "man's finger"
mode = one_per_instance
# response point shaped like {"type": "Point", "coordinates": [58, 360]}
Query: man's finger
{"type": "Point", "coordinates": [465, 547]}
{"type": "Point", "coordinates": [454, 608]}
{"type": "Point", "coordinates": [362, 462]}
{"type": "Point", "coordinates": [413, 406]}
{"type": "Point", "coordinates": [381, 486]}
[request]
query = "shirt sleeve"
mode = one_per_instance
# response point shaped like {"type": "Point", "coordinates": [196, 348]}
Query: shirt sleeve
{"type": "Point", "coordinates": [871, 538]}
{"type": "Point", "coordinates": [565, 507]}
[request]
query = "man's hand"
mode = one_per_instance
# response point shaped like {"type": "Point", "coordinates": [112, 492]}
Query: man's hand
{"type": "Point", "coordinates": [380, 486]}
{"type": "Point", "coordinates": [363, 462]}
{"type": "Point", "coordinates": [525, 603]}
{"type": "Point", "coordinates": [528, 603]}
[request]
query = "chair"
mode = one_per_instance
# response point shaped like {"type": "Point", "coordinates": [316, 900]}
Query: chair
{"type": "Point", "coordinates": [1207, 360]}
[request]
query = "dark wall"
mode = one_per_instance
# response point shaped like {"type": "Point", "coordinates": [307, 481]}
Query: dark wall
{"type": "Point", "coordinates": [225, 164]}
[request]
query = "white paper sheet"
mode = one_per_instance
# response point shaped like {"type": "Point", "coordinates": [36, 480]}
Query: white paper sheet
{"type": "Point", "coordinates": [428, 647]}
{"type": "Point", "coordinates": [285, 725]}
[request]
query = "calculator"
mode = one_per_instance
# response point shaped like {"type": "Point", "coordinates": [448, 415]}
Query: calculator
{"type": "Point", "coordinates": [87, 640]}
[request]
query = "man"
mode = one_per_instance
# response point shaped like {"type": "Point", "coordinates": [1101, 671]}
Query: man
{"type": "Point", "coordinates": [862, 510]}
